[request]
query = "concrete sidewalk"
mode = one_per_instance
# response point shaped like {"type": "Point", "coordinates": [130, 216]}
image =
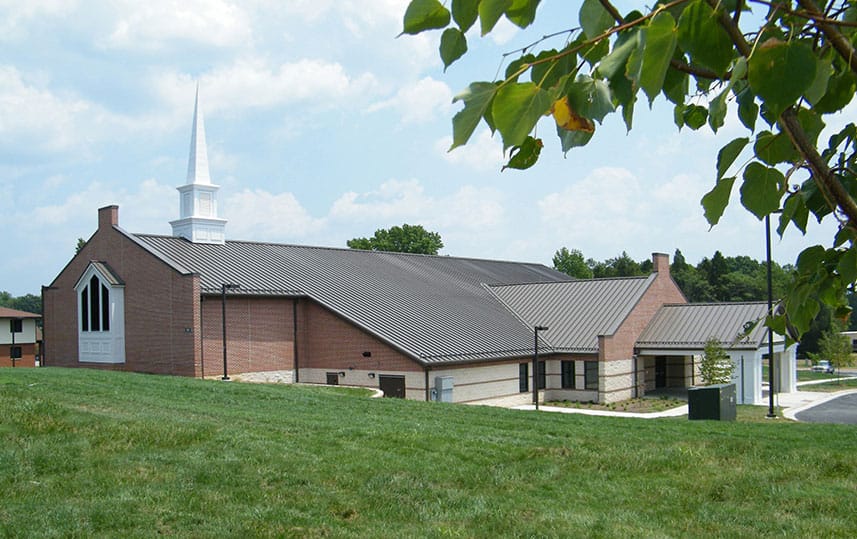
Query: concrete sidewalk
{"type": "Point", "coordinates": [791, 403]}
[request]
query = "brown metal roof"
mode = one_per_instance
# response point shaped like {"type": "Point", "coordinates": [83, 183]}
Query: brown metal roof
{"type": "Point", "coordinates": [576, 312]}
{"type": "Point", "coordinates": [690, 326]}
{"type": "Point", "coordinates": [6, 312]}
{"type": "Point", "coordinates": [433, 308]}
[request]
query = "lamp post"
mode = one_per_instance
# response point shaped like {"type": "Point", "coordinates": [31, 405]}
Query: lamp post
{"type": "Point", "coordinates": [771, 414]}
{"type": "Point", "coordinates": [536, 330]}
{"type": "Point", "coordinates": [223, 288]}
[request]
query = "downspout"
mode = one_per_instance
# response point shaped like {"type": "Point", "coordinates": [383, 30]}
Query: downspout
{"type": "Point", "coordinates": [42, 346]}
{"type": "Point", "coordinates": [201, 339]}
{"type": "Point", "coordinates": [295, 339]}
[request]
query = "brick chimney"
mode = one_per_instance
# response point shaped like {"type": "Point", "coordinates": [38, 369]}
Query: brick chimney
{"type": "Point", "coordinates": [661, 264]}
{"type": "Point", "coordinates": [108, 217]}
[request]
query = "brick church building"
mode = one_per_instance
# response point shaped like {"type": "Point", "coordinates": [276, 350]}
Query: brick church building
{"type": "Point", "coordinates": [417, 326]}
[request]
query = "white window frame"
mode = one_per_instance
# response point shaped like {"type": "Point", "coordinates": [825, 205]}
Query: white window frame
{"type": "Point", "coordinates": [100, 345]}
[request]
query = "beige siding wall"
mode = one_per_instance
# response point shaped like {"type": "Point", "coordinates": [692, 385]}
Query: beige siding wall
{"type": "Point", "coordinates": [493, 383]}
{"type": "Point", "coordinates": [414, 381]}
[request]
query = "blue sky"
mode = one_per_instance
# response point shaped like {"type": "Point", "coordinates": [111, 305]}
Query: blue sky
{"type": "Point", "coordinates": [321, 126]}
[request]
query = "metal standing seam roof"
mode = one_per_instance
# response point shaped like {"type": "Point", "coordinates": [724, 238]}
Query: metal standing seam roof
{"type": "Point", "coordinates": [434, 308]}
{"type": "Point", "coordinates": [576, 312]}
{"type": "Point", "coordinates": [692, 325]}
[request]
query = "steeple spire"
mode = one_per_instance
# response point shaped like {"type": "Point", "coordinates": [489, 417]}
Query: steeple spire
{"type": "Point", "coordinates": [198, 220]}
{"type": "Point", "coordinates": [197, 166]}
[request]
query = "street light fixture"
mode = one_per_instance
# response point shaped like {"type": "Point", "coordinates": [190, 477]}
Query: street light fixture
{"type": "Point", "coordinates": [223, 288]}
{"type": "Point", "coordinates": [536, 330]}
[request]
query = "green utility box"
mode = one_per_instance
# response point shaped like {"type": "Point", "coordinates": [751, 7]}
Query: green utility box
{"type": "Point", "coordinates": [712, 402]}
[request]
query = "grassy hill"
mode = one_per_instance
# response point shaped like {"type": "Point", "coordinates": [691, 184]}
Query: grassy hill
{"type": "Point", "coordinates": [88, 453]}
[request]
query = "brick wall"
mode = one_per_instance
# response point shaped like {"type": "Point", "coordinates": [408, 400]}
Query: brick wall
{"type": "Point", "coordinates": [259, 334]}
{"type": "Point", "coordinates": [160, 306]}
{"type": "Point", "coordinates": [329, 343]}
{"type": "Point", "coordinates": [28, 355]}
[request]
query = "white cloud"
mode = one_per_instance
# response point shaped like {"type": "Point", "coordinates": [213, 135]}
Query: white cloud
{"type": "Point", "coordinates": [34, 119]}
{"type": "Point", "coordinates": [483, 152]}
{"type": "Point", "coordinates": [422, 101]}
{"type": "Point", "coordinates": [151, 25]}
{"type": "Point", "coordinates": [15, 17]}
{"type": "Point", "coordinates": [260, 215]}
{"type": "Point", "coordinates": [396, 201]}
{"type": "Point", "coordinates": [255, 83]}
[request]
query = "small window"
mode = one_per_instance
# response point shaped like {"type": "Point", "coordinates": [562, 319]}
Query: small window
{"type": "Point", "coordinates": [567, 372]}
{"type": "Point", "coordinates": [590, 374]}
{"type": "Point", "coordinates": [15, 352]}
{"type": "Point", "coordinates": [523, 377]}
{"type": "Point", "coordinates": [16, 325]}
{"type": "Point", "coordinates": [84, 309]}
{"type": "Point", "coordinates": [541, 378]}
{"type": "Point", "coordinates": [94, 304]}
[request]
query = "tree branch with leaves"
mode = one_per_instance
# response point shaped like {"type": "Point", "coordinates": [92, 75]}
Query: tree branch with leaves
{"type": "Point", "coordinates": [791, 65]}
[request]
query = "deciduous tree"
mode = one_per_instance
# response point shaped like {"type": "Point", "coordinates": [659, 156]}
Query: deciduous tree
{"type": "Point", "coordinates": [781, 72]}
{"type": "Point", "coordinates": [572, 263]}
{"type": "Point", "coordinates": [715, 367]}
{"type": "Point", "coordinates": [400, 239]}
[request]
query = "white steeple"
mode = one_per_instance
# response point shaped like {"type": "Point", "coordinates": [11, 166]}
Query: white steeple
{"type": "Point", "coordinates": [197, 165]}
{"type": "Point", "coordinates": [198, 220]}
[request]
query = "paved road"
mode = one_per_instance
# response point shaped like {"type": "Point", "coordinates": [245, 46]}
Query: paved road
{"type": "Point", "coordinates": [839, 410]}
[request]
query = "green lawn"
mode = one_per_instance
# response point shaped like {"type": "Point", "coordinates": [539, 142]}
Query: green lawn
{"type": "Point", "coordinates": [88, 453]}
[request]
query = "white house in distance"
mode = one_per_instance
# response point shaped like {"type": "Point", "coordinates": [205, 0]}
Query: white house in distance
{"type": "Point", "coordinates": [18, 338]}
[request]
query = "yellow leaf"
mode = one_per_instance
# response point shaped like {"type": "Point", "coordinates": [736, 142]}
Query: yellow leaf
{"type": "Point", "coordinates": [568, 119]}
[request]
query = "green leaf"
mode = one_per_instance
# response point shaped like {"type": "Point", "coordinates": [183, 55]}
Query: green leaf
{"type": "Point", "coordinates": [594, 19]}
{"type": "Point", "coordinates": [717, 110]}
{"type": "Point", "coordinates": [794, 211]}
{"type": "Point", "coordinates": [516, 110]}
{"type": "Point", "coordinates": [727, 155]}
{"type": "Point", "coordinates": [464, 13]}
{"type": "Point", "coordinates": [810, 259]}
{"type": "Point", "coordinates": [524, 156]}
{"type": "Point", "coordinates": [781, 72]}
{"type": "Point", "coordinates": [516, 65]}
{"type": "Point", "coordinates": [477, 102]}
{"type": "Point", "coordinates": [660, 41]}
{"type": "Point", "coordinates": [678, 115]}
{"type": "Point", "coordinates": [675, 86]}
{"type": "Point", "coordinates": [549, 74]}
{"type": "Point", "coordinates": [840, 91]}
{"type": "Point", "coordinates": [614, 63]}
{"type": "Point", "coordinates": [424, 15]}
{"type": "Point", "coordinates": [522, 13]}
{"type": "Point", "coordinates": [715, 201]}
{"type": "Point", "coordinates": [453, 45]}
{"type": "Point", "coordinates": [695, 116]}
{"type": "Point", "coordinates": [814, 199]}
{"type": "Point", "coordinates": [590, 98]}
{"type": "Point", "coordinates": [572, 139]}
{"type": "Point", "coordinates": [847, 266]}
{"type": "Point", "coordinates": [760, 192]}
{"type": "Point", "coordinates": [811, 123]}
{"type": "Point", "coordinates": [774, 149]}
{"type": "Point", "coordinates": [490, 12]}
{"type": "Point", "coordinates": [703, 38]}
{"type": "Point", "coordinates": [595, 52]}
{"type": "Point", "coordinates": [823, 71]}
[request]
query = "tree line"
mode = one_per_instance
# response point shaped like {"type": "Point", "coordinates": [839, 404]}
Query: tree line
{"type": "Point", "coordinates": [28, 302]}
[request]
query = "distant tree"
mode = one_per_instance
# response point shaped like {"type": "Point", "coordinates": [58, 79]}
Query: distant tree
{"type": "Point", "coordinates": [400, 239]}
{"type": "Point", "coordinates": [679, 263]}
{"type": "Point", "coordinates": [809, 343]}
{"type": "Point", "coordinates": [572, 263]}
{"type": "Point", "coordinates": [79, 247]}
{"type": "Point", "coordinates": [852, 319]}
{"type": "Point", "coordinates": [5, 299]}
{"type": "Point", "coordinates": [715, 367]}
{"type": "Point", "coordinates": [29, 303]}
{"type": "Point", "coordinates": [626, 266]}
{"type": "Point", "coordinates": [834, 347]}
